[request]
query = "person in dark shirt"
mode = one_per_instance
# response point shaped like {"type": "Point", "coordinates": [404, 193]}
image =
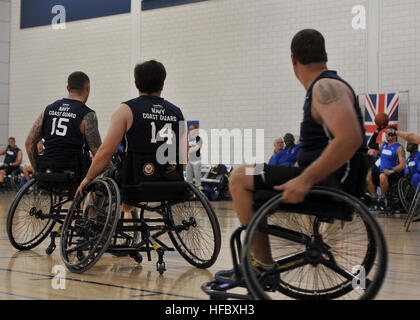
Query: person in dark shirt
{"type": "Point", "coordinates": [68, 128]}
{"type": "Point", "coordinates": [12, 160]}
{"type": "Point", "coordinates": [413, 164]}
{"type": "Point", "coordinates": [332, 132]}
{"type": "Point", "coordinates": [148, 124]}
{"type": "Point", "coordinates": [290, 152]}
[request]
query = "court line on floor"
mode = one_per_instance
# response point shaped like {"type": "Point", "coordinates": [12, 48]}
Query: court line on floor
{"type": "Point", "coordinates": [18, 295]}
{"type": "Point", "coordinates": [145, 295]}
{"type": "Point", "coordinates": [20, 257]}
{"type": "Point", "coordinates": [48, 277]}
{"type": "Point", "coordinates": [404, 254]}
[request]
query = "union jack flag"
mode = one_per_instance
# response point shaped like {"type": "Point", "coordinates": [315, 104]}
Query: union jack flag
{"type": "Point", "coordinates": [387, 103]}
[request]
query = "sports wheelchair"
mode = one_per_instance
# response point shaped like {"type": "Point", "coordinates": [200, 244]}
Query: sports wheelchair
{"type": "Point", "coordinates": [13, 181]}
{"type": "Point", "coordinates": [328, 247]}
{"type": "Point", "coordinates": [406, 192]}
{"type": "Point", "coordinates": [43, 202]}
{"type": "Point", "coordinates": [38, 207]}
{"type": "Point", "coordinates": [95, 225]}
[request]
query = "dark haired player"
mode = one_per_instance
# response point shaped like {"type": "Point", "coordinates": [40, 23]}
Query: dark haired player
{"type": "Point", "coordinates": [331, 133]}
{"type": "Point", "coordinates": [144, 123]}
{"type": "Point", "coordinates": [392, 166]}
{"type": "Point", "coordinates": [66, 126]}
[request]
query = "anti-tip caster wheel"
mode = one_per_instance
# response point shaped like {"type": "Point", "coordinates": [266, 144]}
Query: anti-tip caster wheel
{"type": "Point", "coordinates": [161, 268]}
{"type": "Point", "coordinates": [80, 255]}
{"type": "Point", "coordinates": [50, 249]}
{"type": "Point", "coordinates": [137, 257]}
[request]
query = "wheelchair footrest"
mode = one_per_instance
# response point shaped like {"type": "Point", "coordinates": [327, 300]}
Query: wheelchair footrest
{"type": "Point", "coordinates": [218, 291]}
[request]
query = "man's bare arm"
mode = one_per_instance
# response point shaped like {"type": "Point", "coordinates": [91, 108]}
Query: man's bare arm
{"type": "Point", "coordinates": [332, 106]}
{"type": "Point", "coordinates": [401, 158]}
{"type": "Point", "coordinates": [3, 151]}
{"type": "Point", "coordinates": [34, 136]}
{"type": "Point", "coordinates": [409, 137]}
{"type": "Point", "coordinates": [89, 128]}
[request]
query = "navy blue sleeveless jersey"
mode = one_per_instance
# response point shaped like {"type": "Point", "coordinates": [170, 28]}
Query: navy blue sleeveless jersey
{"type": "Point", "coordinates": [314, 137]}
{"type": "Point", "coordinates": [61, 128]}
{"type": "Point", "coordinates": [155, 122]}
{"type": "Point", "coordinates": [11, 155]}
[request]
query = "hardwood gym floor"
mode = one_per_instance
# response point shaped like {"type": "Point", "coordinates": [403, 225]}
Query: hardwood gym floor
{"type": "Point", "coordinates": [29, 275]}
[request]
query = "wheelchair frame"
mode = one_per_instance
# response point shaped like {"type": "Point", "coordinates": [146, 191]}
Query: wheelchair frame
{"type": "Point", "coordinates": [150, 230]}
{"type": "Point", "coordinates": [313, 255]}
{"type": "Point", "coordinates": [56, 214]}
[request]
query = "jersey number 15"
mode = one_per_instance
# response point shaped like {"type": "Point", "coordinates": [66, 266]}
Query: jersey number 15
{"type": "Point", "coordinates": [60, 129]}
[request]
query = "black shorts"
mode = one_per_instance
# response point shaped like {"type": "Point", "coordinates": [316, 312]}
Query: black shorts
{"type": "Point", "coordinates": [393, 178]}
{"type": "Point", "coordinates": [9, 169]}
{"type": "Point", "coordinates": [375, 178]}
{"type": "Point", "coordinates": [275, 175]}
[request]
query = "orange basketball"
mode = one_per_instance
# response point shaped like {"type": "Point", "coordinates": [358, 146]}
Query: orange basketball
{"type": "Point", "coordinates": [381, 120]}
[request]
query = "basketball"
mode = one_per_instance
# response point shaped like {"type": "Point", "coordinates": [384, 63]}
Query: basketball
{"type": "Point", "coordinates": [381, 120]}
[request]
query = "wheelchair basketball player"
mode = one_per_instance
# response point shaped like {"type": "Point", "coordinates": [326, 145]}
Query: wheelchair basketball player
{"type": "Point", "coordinates": [331, 152]}
{"type": "Point", "coordinates": [68, 127]}
{"type": "Point", "coordinates": [144, 125]}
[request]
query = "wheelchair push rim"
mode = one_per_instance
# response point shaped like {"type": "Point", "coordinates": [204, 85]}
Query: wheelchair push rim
{"type": "Point", "coordinates": [197, 235]}
{"type": "Point", "coordinates": [313, 262]}
{"type": "Point", "coordinates": [84, 240]}
{"type": "Point", "coordinates": [26, 228]}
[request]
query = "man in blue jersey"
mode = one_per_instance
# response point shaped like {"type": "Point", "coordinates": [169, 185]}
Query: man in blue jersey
{"type": "Point", "coordinates": [413, 164]}
{"type": "Point", "coordinates": [145, 124]}
{"type": "Point", "coordinates": [12, 160]}
{"type": "Point", "coordinates": [290, 152]}
{"type": "Point", "coordinates": [332, 132]}
{"type": "Point", "coordinates": [68, 127]}
{"type": "Point", "coordinates": [392, 164]}
{"type": "Point", "coordinates": [278, 151]}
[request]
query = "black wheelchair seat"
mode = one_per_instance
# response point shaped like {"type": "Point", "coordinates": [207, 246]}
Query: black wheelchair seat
{"type": "Point", "coordinates": [58, 181]}
{"type": "Point", "coordinates": [319, 206]}
{"type": "Point", "coordinates": [151, 191]}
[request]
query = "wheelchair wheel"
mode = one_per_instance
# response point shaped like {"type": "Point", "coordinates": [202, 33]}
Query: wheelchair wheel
{"type": "Point", "coordinates": [16, 180]}
{"type": "Point", "coordinates": [26, 228]}
{"type": "Point", "coordinates": [406, 193]}
{"type": "Point", "coordinates": [317, 258]}
{"type": "Point", "coordinates": [90, 225]}
{"type": "Point", "coordinates": [197, 234]}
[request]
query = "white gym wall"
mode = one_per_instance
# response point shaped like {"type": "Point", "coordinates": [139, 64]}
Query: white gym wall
{"type": "Point", "coordinates": [228, 61]}
{"type": "Point", "coordinates": [4, 70]}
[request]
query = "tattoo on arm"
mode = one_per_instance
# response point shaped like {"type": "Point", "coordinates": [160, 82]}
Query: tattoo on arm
{"type": "Point", "coordinates": [328, 93]}
{"type": "Point", "coordinates": [35, 135]}
{"type": "Point", "coordinates": [402, 152]}
{"type": "Point", "coordinates": [93, 138]}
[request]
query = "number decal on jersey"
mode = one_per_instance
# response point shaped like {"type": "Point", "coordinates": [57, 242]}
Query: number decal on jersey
{"type": "Point", "coordinates": [165, 132]}
{"type": "Point", "coordinates": [61, 128]}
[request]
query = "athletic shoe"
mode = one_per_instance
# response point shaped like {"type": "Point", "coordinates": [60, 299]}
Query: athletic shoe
{"type": "Point", "coordinates": [229, 276]}
{"type": "Point", "coordinates": [382, 204]}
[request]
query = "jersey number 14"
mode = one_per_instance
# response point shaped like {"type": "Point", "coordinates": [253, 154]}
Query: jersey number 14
{"type": "Point", "coordinates": [165, 132]}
